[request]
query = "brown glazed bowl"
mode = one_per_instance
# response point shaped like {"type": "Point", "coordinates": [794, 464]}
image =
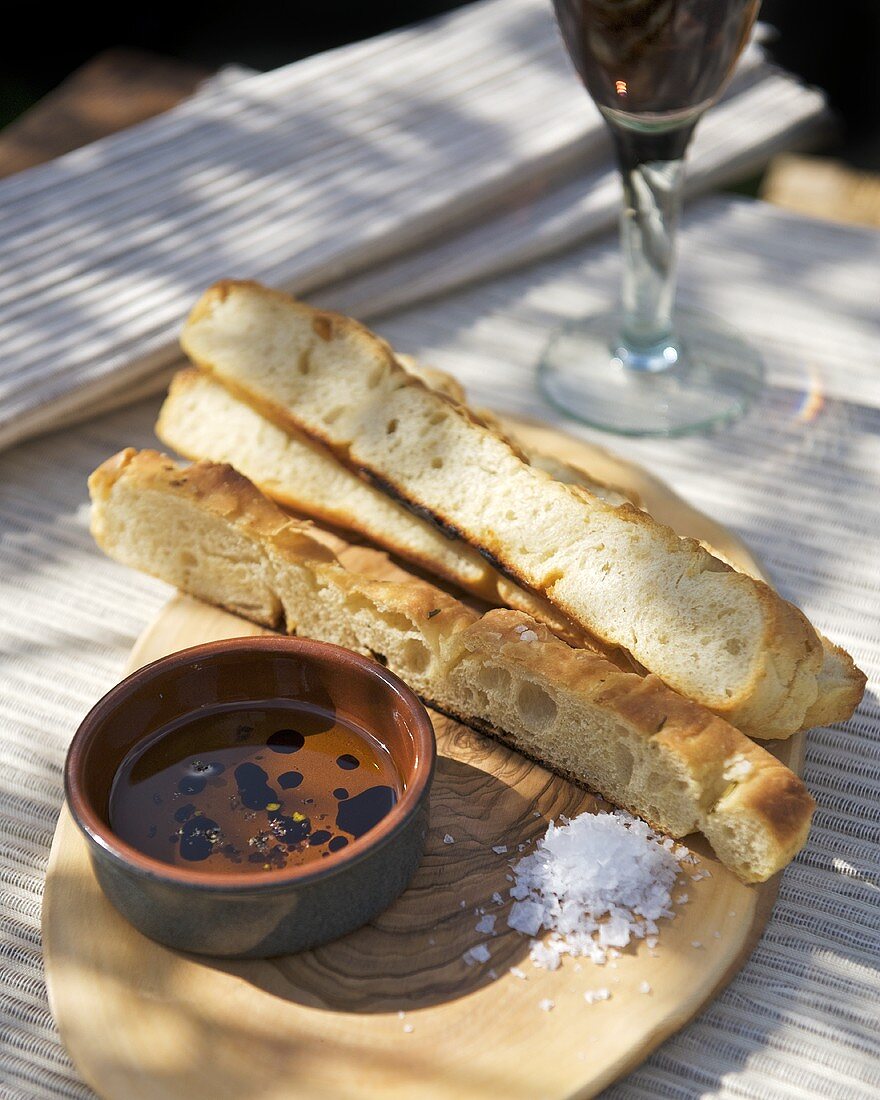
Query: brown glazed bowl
{"type": "Point", "coordinates": [243, 915]}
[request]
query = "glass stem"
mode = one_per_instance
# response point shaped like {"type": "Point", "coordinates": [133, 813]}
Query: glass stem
{"type": "Point", "coordinates": [652, 170]}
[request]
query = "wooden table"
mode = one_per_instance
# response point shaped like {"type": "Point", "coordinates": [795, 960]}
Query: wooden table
{"type": "Point", "coordinates": [115, 89]}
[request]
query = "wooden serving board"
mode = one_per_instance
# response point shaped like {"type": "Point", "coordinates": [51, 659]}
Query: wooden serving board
{"type": "Point", "coordinates": [393, 1010]}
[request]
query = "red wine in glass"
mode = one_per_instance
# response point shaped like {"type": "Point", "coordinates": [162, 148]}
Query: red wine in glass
{"type": "Point", "coordinates": [652, 67]}
{"type": "Point", "coordinates": [651, 60]}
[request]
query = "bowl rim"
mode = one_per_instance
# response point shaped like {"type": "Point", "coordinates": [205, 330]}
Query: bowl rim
{"type": "Point", "coordinates": [125, 855]}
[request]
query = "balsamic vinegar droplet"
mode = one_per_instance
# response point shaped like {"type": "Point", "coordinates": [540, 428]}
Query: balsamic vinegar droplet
{"type": "Point", "coordinates": [288, 781]}
{"type": "Point", "coordinates": [253, 787]}
{"type": "Point", "coordinates": [360, 814]}
{"type": "Point", "coordinates": [286, 741]}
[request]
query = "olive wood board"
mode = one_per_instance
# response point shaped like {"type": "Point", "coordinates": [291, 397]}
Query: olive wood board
{"type": "Point", "coordinates": [392, 1010]}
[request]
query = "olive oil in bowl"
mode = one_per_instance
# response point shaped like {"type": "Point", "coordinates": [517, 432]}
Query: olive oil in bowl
{"type": "Point", "coordinates": [256, 787]}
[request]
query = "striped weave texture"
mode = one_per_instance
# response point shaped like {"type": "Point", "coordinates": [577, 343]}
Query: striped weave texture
{"type": "Point", "coordinates": [469, 135]}
{"type": "Point", "coordinates": [799, 478]}
{"type": "Point", "coordinates": [376, 178]}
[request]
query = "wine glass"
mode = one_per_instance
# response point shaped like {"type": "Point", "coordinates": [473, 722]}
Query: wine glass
{"type": "Point", "coordinates": [652, 67]}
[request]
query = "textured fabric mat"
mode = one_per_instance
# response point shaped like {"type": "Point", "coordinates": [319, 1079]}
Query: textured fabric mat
{"type": "Point", "coordinates": [471, 126]}
{"type": "Point", "coordinates": [799, 479]}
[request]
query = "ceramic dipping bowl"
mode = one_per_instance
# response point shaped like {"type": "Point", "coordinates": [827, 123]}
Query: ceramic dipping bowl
{"type": "Point", "coordinates": [243, 914]}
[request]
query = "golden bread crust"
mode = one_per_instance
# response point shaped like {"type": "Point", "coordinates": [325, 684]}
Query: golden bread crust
{"type": "Point", "coordinates": [559, 705]}
{"type": "Point", "coordinates": [293, 470]}
{"type": "Point", "coordinates": [774, 672]}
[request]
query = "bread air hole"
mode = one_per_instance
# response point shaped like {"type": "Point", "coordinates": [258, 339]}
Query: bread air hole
{"type": "Point", "coordinates": [375, 377]}
{"type": "Point", "coordinates": [535, 706]}
{"type": "Point", "coordinates": [304, 362]}
{"type": "Point", "coordinates": [391, 427]}
{"type": "Point", "coordinates": [734, 646]}
{"type": "Point", "coordinates": [474, 699]}
{"type": "Point", "coordinates": [436, 418]}
{"type": "Point", "coordinates": [437, 463]}
{"type": "Point", "coordinates": [494, 679]}
{"type": "Point", "coordinates": [622, 761]}
{"type": "Point", "coordinates": [416, 656]}
{"type": "Point", "coordinates": [395, 622]}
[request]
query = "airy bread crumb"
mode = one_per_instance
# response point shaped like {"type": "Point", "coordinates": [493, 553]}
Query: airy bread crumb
{"type": "Point", "coordinates": [718, 636]}
{"type": "Point", "coordinates": [207, 530]}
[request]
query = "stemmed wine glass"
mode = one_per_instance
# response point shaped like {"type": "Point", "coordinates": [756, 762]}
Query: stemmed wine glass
{"type": "Point", "coordinates": [652, 67]}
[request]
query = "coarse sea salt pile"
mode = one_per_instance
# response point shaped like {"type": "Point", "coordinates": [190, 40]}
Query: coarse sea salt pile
{"type": "Point", "coordinates": [594, 883]}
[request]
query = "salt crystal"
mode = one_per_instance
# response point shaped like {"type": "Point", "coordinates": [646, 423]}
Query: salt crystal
{"type": "Point", "coordinates": [594, 883]}
{"type": "Point", "coordinates": [593, 995]}
{"type": "Point", "coordinates": [644, 987]}
{"type": "Point", "coordinates": [696, 943]}
{"type": "Point", "coordinates": [499, 849]}
{"type": "Point", "coordinates": [478, 954]}
{"type": "Point", "coordinates": [462, 904]}
{"type": "Point", "coordinates": [493, 974]}
{"type": "Point", "coordinates": [497, 898]}
{"type": "Point", "coordinates": [732, 913]}
{"type": "Point", "coordinates": [651, 942]}
{"type": "Point", "coordinates": [681, 899]}
{"type": "Point", "coordinates": [432, 941]}
{"type": "Point", "coordinates": [408, 1028]}
{"type": "Point", "coordinates": [486, 924]}
{"type": "Point", "coordinates": [401, 1014]}
{"type": "Point", "coordinates": [526, 916]}
{"type": "Point", "coordinates": [547, 956]}
{"type": "Point", "coordinates": [546, 1005]}
{"type": "Point", "coordinates": [536, 813]}
{"type": "Point", "coordinates": [520, 628]}
{"type": "Point", "coordinates": [528, 636]}
{"type": "Point", "coordinates": [717, 935]}
{"type": "Point", "coordinates": [449, 839]}
{"type": "Point", "coordinates": [517, 973]}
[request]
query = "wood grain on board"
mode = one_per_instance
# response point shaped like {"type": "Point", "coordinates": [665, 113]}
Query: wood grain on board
{"type": "Point", "coordinates": [393, 1010]}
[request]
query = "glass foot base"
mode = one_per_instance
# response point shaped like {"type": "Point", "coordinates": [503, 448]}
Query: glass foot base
{"type": "Point", "coordinates": [715, 379]}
